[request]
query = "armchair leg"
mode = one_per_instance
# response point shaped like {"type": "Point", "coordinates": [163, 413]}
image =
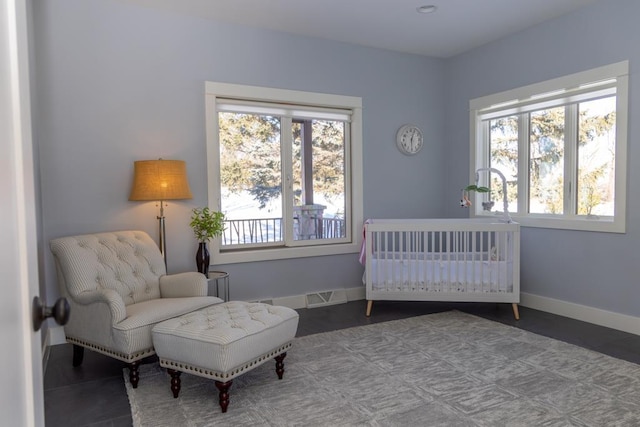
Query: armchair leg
{"type": "Point", "coordinates": [134, 373]}
{"type": "Point", "coordinates": [78, 355]}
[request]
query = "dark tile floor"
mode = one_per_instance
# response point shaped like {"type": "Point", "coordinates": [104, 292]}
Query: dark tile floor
{"type": "Point", "coordinates": [94, 393]}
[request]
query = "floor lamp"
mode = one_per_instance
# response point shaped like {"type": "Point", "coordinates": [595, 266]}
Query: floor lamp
{"type": "Point", "coordinates": [160, 180]}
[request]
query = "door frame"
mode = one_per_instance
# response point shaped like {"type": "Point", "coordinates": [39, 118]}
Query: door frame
{"type": "Point", "coordinates": [21, 395]}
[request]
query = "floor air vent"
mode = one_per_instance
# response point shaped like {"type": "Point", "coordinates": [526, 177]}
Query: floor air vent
{"type": "Point", "coordinates": [320, 299]}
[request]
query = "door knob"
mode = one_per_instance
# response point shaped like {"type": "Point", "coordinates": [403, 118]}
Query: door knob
{"type": "Point", "coordinates": [59, 311]}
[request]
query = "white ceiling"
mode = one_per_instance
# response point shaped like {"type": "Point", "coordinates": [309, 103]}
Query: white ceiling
{"type": "Point", "coordinates": [455, 27]}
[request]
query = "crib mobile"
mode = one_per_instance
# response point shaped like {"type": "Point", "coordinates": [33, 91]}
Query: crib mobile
{"type": "Point", "coordinates": [465, 202]}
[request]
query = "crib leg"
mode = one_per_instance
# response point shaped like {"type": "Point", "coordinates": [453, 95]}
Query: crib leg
{"type": "Point", "coordinates": [516, 313]}
{"type": "Point", "coordinates": [369, 307]}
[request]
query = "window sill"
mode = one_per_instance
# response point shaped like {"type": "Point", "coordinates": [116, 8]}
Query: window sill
{"type": "Point", "coordinates": [607, 225]}
{"type": "Point", "coordinates": [234, 257]}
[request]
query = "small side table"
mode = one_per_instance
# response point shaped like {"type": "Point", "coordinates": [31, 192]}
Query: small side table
{"type": "Point", "coordinates": [219, 279]}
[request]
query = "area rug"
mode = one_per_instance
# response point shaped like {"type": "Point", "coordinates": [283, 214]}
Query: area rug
{"type": "Point", "coordinates": [445, 369]}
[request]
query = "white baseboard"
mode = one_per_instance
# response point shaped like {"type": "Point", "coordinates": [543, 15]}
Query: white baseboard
{"type": "Point", "coordinates": [355, 294]}
{"type": "Point", "coordinates": [300, 301]}
{"type": "Point", "coordinates": [56, 335]}
{"type": "Point", "coordinates": [45, 352]}
{"type": "Point", "coordinates": [609, 319]}
{"type": "Point", "coordinates": [294, 301]}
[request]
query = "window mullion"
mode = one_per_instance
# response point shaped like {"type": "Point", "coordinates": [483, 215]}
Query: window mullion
{"type": "Point", "coordinates": [523, 163]}
{"type": "Point", "coordinates": [483, 156]}
{"type": "Point", "coordinates": [486, 149]}
{"type": "Point", "coordinates": [286, 140]}
{"type": "Point", "coordinates": [571, 160]}
{"type": "Point", "coordinates": [348, 209]}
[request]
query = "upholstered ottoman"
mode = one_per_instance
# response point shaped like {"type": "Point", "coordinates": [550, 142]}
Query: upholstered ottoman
{"type": "Point", "coordinates": [224, 341]}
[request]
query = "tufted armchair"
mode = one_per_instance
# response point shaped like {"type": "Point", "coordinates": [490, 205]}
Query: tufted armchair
{"type": "Point", "coordinates": [118, 289]}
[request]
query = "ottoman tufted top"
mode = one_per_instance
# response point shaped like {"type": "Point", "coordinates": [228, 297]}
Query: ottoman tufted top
{"type": "Point", "coordinates": [224, 336]}
{"type": "Point", "coordinates": [226, 323]}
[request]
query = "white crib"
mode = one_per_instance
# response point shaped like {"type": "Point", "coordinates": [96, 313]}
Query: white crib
{"type": "Point", "coordinates": [470, 260]}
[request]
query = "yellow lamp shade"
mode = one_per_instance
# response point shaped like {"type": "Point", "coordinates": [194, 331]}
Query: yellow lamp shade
{"type": "Point", "coordinates": [160, 180]}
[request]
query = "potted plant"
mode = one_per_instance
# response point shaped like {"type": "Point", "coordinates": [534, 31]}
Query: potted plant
{"type": "Point", "coordinates": [206, 224]}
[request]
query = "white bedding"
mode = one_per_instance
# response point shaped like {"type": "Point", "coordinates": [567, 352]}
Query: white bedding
{"type": "Point", "coordinates": [441, 275]}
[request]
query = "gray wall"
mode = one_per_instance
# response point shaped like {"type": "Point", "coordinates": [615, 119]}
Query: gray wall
{"type": "Point", "coordinates": [117, 83]}
{"type": "Point", "coordinates": [594, 269]}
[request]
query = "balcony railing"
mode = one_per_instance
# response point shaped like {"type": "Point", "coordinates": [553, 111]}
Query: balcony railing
{"type": "Point", "coordinates": [269, 230]}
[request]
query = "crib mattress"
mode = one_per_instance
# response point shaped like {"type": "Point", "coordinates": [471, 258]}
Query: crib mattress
{"type": "Point", "coordinates": [441, 276]}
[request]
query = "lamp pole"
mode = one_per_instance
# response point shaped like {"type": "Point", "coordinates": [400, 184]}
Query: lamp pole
{"type": "Point", "coordinates": [162, 244]}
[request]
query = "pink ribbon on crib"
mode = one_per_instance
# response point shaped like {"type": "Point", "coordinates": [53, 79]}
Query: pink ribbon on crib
{"type": "Point", "coordinates": [363, 248]}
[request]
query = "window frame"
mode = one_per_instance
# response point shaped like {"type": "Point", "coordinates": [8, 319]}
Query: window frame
{"type": "Point", "coordinates": [220, 92]}
{"type": "Point", "coordinates": [573, 88]}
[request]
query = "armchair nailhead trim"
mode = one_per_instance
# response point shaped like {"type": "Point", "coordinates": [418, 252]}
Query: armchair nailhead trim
{"type": "Point", "coordinates": [229, 375]}
{"type": "Point", "coordinates": [121, 356]}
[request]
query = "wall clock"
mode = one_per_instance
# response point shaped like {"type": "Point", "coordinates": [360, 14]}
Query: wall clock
{"type": "Point", "coordinates": [409, 139]}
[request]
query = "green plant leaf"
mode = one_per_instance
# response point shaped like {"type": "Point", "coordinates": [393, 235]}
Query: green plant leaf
{"type": "Point", "coordinates": [207, 224]}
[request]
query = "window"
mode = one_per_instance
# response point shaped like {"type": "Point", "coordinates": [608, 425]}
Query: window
{"type": "Point", "coordinates": [561, 147]}
{"type": "Point", "coordinates": [285, 168]}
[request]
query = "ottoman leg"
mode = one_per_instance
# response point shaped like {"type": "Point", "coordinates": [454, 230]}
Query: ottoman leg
{"type": "Point", "coordinates": [175, 381]}
{"type": "Point", "coordinates": [224, 394]}
{"type": "Point", "coordinates": [280, 364]}
{"type": "Point", "coordinates": [78, 355]}
{"type": "Point", "coordinates": [134, 373]}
